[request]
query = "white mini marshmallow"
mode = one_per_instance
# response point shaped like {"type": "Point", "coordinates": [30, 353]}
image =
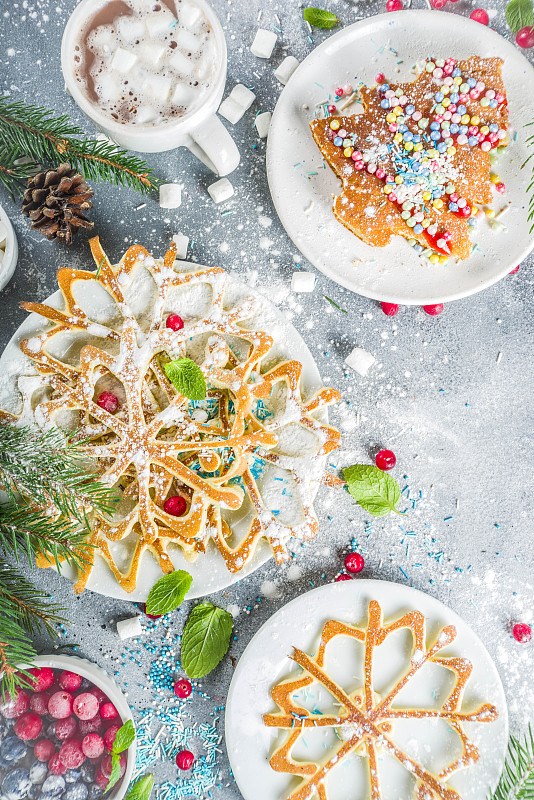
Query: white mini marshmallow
{"type": "Point", "coordinates": [188, 14]}
{"type": "Point", "coordinates": [151, 52]}
{"type": "Point", "coordinates": [360, 361]}
{"type": "Point", "coordinates": [182, 95]}
{"type": "Point", "coordinates": [181, 63]}
{"type": "Point", "coordinates": [231, 110]}
{"type": "Point", "coordinates": [262, 123]}
{"type": "Point", "coordinates": [286, 69]}
{"type": "Point", "coordinates": [263, 44]}
{"type": "Point", "coordinates": [242, 96]}
{"type": "Point", "coordinates": [221, 190]}
{"type": "Point", "coordinates": [303, 281]}
{"type": "Point", "coordinates": [128, 628]}
{"type": "Point", "coordinates": [123, 60]}
{"type": "Point", "coordinates": [182, 243]}
{"type": "Point", "coordinates": [170, 195]}
{"type": "Point", "coordinates": [188, 42]}
{"type": "Point", "coordinates": [109, 88]}
{"type": "Point", "coordinates": [101, 38]}
{"type": "Point", "coordinates": [131, 28]}
{"type": "Point", "coordinates": [145, 114]}
{"type": "Point", "coordinates": [160, 23]}
{"type": "Point", "coordinates": [157, 88]}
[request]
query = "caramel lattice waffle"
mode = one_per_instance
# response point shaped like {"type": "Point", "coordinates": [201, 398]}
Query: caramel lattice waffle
{"type": "Point", "coordinates": [213, 452]}
{"type": "Point", "coordinates": [365, 724]}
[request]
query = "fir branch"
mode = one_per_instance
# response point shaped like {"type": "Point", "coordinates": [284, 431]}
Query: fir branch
{"type": "Point", "coordinates": [517, 779]}
{"type": "Point", "coordinates": [36, 132]}
{"type": "Point", "coordinates": [13, 169]}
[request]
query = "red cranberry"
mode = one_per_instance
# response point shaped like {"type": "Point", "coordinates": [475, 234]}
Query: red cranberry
{"type": "Point", "coordinates": [174, 322]}
{"type": "Point", "coordinates": [525, 37]}
{"type": "Point", "coordinates": [99, 694]}
{"type": "Point", "coordinates": [385, 460]}
{"type": "Point", "coordinates": [438, 3]}
{"type": "Point", "coordinates": [151, 616]}
{"type": "Point", "coordinates": [394, 5]}
{"type": "Point", "coordinates": [183, 688]}
{"type": "Point", "coordinates": [60, 705]}
{"type": "Point", "coordinates": [515, 269]}
{"type": "Point", "coordinates": [108, 401]}
{"type": "Point", "coordinates": [29, 726]}
{"type": "Point", "coordinates": [390, 309]}
{"type": "Point", "coordinates": [93, 745]}
{"type": "Point", "coordinates": [90, 725]}
{"type": "Point", "coordinates": [108, 711]}
{"type": "Point", "coordinates": [185, 759]}
{"type": "Point", "coordinates": [522, 632]}
{"type": "Point", "coordinates": [44, 750]}
{"type": "Point", "coordinates": [15, 706]}
{"type": "Point", "coordinates": [354, 562]}
{"type": "Point", "coordinates": [343, 577]}
{"type": "Point", "coordinates": [55, 766]}
{"type": "Point", "coordinates": [85, 705]}
{"type": "Point", "coordinates": [71, 754]}
{"type": "Point", "coordinates": [109, 736]}
{"type": "Point", "coordinates": [175, 505]}
{"type": "Point", "coordinates": [65, 728]}
{"type": "Point", "coordinates": [434, 310]}
{"type": "Point", "coordinates": [100, 779]}
{"type": "Point", "coordinates": [39, 703]}
{"type": "Point", "coordinates": [42, 679]}
{"type": "Point", "coordinates": [106, 764]}
{"type": "Point", "coordinates": [479, 15]}
{"type": "Point", "coordinates": [69, 681]}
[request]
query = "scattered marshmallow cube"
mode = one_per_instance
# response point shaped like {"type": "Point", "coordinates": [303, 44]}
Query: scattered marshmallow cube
{"type": "Point", "coordinates": [151, 52]}
{"type": "Point", "coordinates": [182, 95]}
{"type": "Point", "coordinates": [101, 38]}
{"type": "Point", "coordinates": [286, 69]}
{"type": "Point", "coordinates": [188, 41]}
{"type": "Point", "coordinates": [123, 60]}
{"type": "Point", "coordinates": [302, 281]}
{"type": "Point", "coordinates": [221, 190]}
{"type": "Point", "coordinates": [242, 96]}
{"type": "Point", "coordinates": [109, 88]}
{"type": "Point", "coordinates": [360, 361]}
{"type": "Point", "coordinates": [263, 123]}
{"type": "Point", "coordinates": [131, 28]}
{"type": "Point", "coordinates": [145, 114]}
{"type": "Point", "coordinates": [170, 195]}
{"type": "Point", "coordinates": [160, 23]}
{"type": "Point", "coordinates": [182, 243]}
{"type": "Point", "coordinates": [181, 63]}
{"type": "Point", "coordinates": [157, 87]}
{"type": "Point", "coordinates": [128, 628]}
{"type": "Point", "coordinates": [231, 110]}
{"type": "Point", "coordinates": [188, 14]}
{"type": "Point", "coordinates": [263, 44]}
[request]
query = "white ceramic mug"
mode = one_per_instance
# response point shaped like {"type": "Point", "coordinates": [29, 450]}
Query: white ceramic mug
{"type": "Point", "coordinates": [201, 130]}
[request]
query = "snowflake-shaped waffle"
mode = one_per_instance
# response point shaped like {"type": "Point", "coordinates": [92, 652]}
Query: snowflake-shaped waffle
{"type": "Point", "coordinates": [161, 444]}
{"type": "Point", "coordinates": [365, 723]}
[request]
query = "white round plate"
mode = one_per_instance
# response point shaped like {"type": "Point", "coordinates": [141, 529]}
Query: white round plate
{"type": "Point", "coordinates": [302, 185]}
{"type": "Point", "coordinates": [299, 623]}
{"type": "Point", "coordinates": [209, 571]}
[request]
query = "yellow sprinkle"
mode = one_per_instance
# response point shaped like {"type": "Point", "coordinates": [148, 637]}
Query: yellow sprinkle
{"type": "Point", "coordinates": [457, 80]}
{"type": "Point", "coordinates": [495, 179]}
{"type": "Point", "coordinates": [391, 118]}
{"type": "Point", "coordinates": [425, 223]}
{"type": "Point", "coordinates": [465, 119]}
{"type": "Point", "coordinates": [418, 147]}
{"type": "Point", "coordinates": [443, 259]}
{"type": "Point", "coordinates": [399, 179]}
{"type": "Point", "coordinates": [397, 111]}
{"type": "Point", "coordinates": [386, 189]}
{"type": "Point", "coordinates": [397, 137]}
{"type": "Point", "coordinates": [408, 146]}
{"type": "Point", "coordinates": [347, 151]}
{"type": "Point", "coordinates": [437, 203]}
{"type": "Point", "coordinates": [433, 153]}
{"type": "Point", "coordinates": [475, 120]}
{"type": "Point", "coordinates": [490, 213]}
{"type": "Point", "coordinates": [484, 129]}
{"type": "Point", "coordinates": [474, 211]}
{"type": "Point", "coordinates": [434, 259]}
{"type": "Point", "coordinates": [451, 150]}
{"type": "Point", "coordinates": [445, 89]}
{"type": "Point", "coordinates": [427, 196]}
{"type": "Point", "coordinates": [335, 124]}
{"type": "Point", "coordinates": [445, 102]}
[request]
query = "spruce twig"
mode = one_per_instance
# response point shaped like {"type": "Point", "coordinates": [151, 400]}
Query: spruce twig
{"type": "Point", "coordinates": [38, 133]}
{"type": "Point", "coordinates": [517, 779]}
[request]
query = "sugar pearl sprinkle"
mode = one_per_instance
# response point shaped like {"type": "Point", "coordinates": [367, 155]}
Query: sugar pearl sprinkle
{"type": "Point", "coordinates": [424, 173]}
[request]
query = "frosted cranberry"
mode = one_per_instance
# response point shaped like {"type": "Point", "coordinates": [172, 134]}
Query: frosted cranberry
{"type": "Point", "coordinates": [151, 616]}
{"type": "Point", "coordinates": [100, 779]}
{"type": "Point", "coordinates": [174, 322]}
{"type": "Point", "coordinates": [385, 459]}
{"type": "Point", "coordinates": [93, 745]}
{"type": "Point", "coordinates": [71, 754]}
{"type": "Point", "coordinates": [39, 703]}
{"type": "Point", "coordinates": [109, 736]}
{"type": "Point", "coordinates": [515, 269]}
{"type": "Point", "coordinates": [65, 728]}
{"type": "Point", "coordinates": [343, 577]}
{"type": "Point", "coordinates": [438, 3]}
{"type": "Point", "coordinates": [522, 632]}
{"type": "Point", "coordinates": [525, 37]}
{"type": "Point", "coordinates": [70, 681]}
{"type": "Point", "coordinates": [390, 309]}
{"type": "Point", "coordinates": [185, 759]}
{"type": "Point", "coordinates": [85, 705]}
{"type": "Point", "coordinates": [106, 764]}
{"type": "Point", "coordinates": [108, 711]}
{"type": "Point", "coordinates": [183, 688]}
{"type": "Point", "coordinates": [93, 725]}
{"type": "Point", "coordinates": [434, 310]}
{"type": "Point", "coordinates": [108, 401]}
{"type": "Point", "coordinates": [29, 726]}
{"type": "Point", "coordinates": [56, 766]}
{"type": "Point", "coordinates": [479, 15]}
{"type": "Point", "coordinates": [44, 749]}
{"type": "Point", "coordinates": [175, 505]}
{"type": "Point", "coordinates": [15, 706]}
{"type": "Point", "coordinates": [42, 679]}
{"type": "Point", "coordinates": [394, 5]}
{"type": "Point", "coordinates": [99, 694]}
{"type": "Point", "coordinates": [60, 705]}
{"type": "Point", "coordinates": [354, 562]}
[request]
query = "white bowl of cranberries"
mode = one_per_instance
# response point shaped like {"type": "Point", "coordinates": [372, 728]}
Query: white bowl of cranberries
{"type": "Point", "coordinates": [56, 737]}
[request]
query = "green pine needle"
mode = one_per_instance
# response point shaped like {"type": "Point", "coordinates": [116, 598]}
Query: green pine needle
{"type": "Point", "coordinates": [39, 134]}
{"type": "Point", "coordinates": [517, 779]}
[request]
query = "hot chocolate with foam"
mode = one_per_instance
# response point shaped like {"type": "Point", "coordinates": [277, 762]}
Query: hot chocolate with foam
{"type": "Point", "coordinates": [146, 62]}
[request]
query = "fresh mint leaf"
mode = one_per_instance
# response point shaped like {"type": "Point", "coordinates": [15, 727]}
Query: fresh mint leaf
{"type": "Point", "coordinates": [375, 490]}
{"type": "Point", "coordinates": [206, 639]}
{"type": "Point", "coordinates": [187, 378]}
{"type": "Point", "coordinates": [519, 14]}
{"type": "Point", "coordinates": [124, 738]}
{"type": "Point", "coordinates": [168, 592]}
{"type": "Point", "coordinates": [115, 771]}
{"type": "Point", "coordinates": [142, 789]}
{"type": "Point", "coordinates": [320, 18]}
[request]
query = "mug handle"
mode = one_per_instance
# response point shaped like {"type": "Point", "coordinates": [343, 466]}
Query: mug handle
{"type": "Point", "coordinates": [212, 144]}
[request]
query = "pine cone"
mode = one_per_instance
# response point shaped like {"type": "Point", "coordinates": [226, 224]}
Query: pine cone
{"type": "Point", "coordinates": [55, 201]}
